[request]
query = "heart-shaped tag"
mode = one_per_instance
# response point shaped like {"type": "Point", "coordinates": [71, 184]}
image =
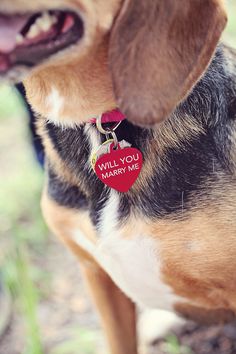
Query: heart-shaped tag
{"type": "Point", "coordinates": [120, 168]}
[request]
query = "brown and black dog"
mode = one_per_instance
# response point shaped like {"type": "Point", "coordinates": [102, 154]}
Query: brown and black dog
{"type": "Point", "coordinates": [169, 242]}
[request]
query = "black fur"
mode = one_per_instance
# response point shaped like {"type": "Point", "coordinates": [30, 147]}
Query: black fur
{"type": "Point", "coordinates": [64, 193]}
{"type": "Point", "coordinates": [185, 172]}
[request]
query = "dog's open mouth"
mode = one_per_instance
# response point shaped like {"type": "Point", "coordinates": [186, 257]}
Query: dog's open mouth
{"type": "Point", "coordinates": [29, 39]}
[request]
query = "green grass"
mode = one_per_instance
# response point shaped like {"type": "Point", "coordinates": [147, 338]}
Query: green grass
{"type": "Point", "coordinates": [10, 103]}
{"type": "Point", "coordinates": [230, 34]}
{"type": "Point", "coordinates": [22, 286]}
{"type": "Point", "coordinates": [172, 346]}
{"type": "Point", "coordinates": [84, 340]}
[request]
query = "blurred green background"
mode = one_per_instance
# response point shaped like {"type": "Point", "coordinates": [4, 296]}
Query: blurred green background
{"type": "Point", "coordinates": [28, 253]}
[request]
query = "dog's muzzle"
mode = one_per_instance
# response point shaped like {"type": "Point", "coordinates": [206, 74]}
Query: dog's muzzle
{"type": "Point", "coordinates": [28, 39]}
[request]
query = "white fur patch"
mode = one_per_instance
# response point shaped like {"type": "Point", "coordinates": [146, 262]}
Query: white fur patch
{"type": "Point", "coordinates": [107, 21]}
{"type": "Point", "coordinates": [55, 104]}
{"type": "Point", "coordinates": [157, 324]}
{"type": "Point", "coordinates": [133, 263]}
{"type": "Point", "coordinates": [109, 215]}
{"type": "Point", "coordinates": [84, 242]}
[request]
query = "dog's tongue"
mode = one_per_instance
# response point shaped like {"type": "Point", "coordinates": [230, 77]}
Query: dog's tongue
{"type": "Point", "coordinates": [9, 28]}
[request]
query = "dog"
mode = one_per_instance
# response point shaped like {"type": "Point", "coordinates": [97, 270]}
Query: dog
{"type": "Point", "coordinates": [170, 241]}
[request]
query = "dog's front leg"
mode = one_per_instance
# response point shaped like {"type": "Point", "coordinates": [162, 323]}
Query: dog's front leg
{"type": "Point", "coordinates": [117, 312]}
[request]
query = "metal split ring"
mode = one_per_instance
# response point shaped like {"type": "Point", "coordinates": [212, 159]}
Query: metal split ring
{"type": "Point", "coordinates": [108, 131]}
{"type": "Point", "coordinates": [114, 137]}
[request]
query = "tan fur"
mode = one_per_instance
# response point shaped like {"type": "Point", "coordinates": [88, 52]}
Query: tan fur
{"type": "Point", "coordinates": [117, 312]}
{"type": "Point", "coordinates": [63, 221]}
{"type": "Point", "coordinates": [206, 317]}
{"type": "Point", "coordinates": [83, 98]}
{"type": "Point", "coordinates": [88, 82]}
{"type": "Point", "coordinates": [198, 262]}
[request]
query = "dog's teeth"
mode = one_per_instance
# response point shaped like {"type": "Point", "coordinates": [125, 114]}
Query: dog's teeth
{"type": "Point", "coordinates": [34, 31]}
{"type": "Point", "coordinates": [19, 38]}
{"type": "Point", "coordinates": [46, 21]}
{"type": "Point", "coordinates": [42, 24]}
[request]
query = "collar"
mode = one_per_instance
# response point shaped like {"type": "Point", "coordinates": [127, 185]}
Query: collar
{"type": "Point", "coordinates": [113, 116]}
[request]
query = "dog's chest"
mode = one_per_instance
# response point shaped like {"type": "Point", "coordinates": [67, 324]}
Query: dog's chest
{"type": "Point", "coordinates": [130, 256]}
{"type": "Point", "coordinates": [181, 245]}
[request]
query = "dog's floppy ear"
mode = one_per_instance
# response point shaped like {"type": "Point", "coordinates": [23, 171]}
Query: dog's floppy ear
{"type": "Point", "coordinates": [158, 51]}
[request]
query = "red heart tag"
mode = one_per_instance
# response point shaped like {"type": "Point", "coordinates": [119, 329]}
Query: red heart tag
{"type": "Point", "coordinates": [120, 168]}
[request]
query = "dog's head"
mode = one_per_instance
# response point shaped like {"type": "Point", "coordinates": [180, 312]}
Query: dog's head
{"type": "Point", "coordinates": [88, 56]}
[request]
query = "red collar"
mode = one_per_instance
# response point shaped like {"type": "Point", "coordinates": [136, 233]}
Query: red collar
{"type": "Point", "coordinates": [113, 116]}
